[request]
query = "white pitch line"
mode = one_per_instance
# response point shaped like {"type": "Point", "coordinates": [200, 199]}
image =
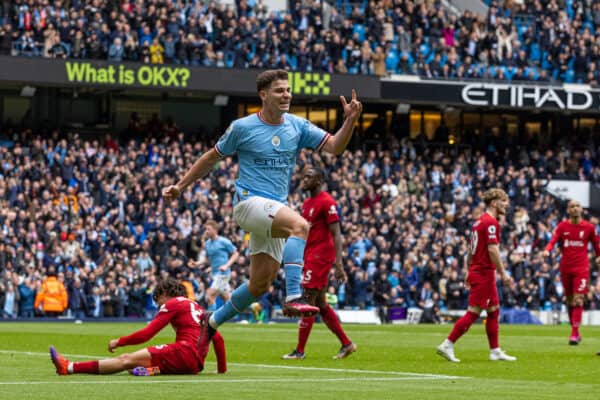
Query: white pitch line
{"type": "Point", "coordinates": [276, 366]}
{"type": "Point", "coordinates": [144, 381]}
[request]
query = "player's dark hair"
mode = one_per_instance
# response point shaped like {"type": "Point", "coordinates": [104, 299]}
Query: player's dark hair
{"type": "Point", "coordinates": [169, 287]}
{"type": "Point", "coordinates": [318, 172]}
{"type": "Point", "coordinates": [264, 79]}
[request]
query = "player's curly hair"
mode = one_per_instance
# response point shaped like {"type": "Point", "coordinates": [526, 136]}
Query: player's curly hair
{"type": "Point", "coordinates": [264, 79]}
{"type": "Point", "coordinates": [169, 287]}
{"type": "Point", "coordinates": [494, 194]}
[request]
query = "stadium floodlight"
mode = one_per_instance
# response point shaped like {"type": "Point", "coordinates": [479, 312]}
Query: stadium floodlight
{"type": "Point", "coordinates": [221, 100]}
{"type": "Point", "coordinates": [28, 91]}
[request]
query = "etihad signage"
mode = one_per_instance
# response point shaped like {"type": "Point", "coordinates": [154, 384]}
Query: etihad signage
{"type": "Point", "coordinates": [493, 94]}
{"type": "Point", "coordinates": [504, 95]}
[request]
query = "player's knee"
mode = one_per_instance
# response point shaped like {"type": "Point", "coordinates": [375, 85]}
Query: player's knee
{"type": "Point", "coordinates": [578, 300]}
{"type": "Point", "coordinates": [126, 361]}
{"type": "Point", "coordinates": [300, 228]}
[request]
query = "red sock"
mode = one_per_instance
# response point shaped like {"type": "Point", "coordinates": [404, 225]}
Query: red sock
{"type": "Point", "coordinates": [306, 324]}
{"type": "Point", "coordinates": [86, 367]}
{"type": "Point", "coordinates": [576, 320]}
{"type": "Point", "coordinates": [333, 323]}
{"type": "Point", "coordinates": [570, 312]}
{"type": "Point", "coordinates": [491, 328]}
{"type": "Point", "coordinates": [219, 348]}
{"type": "Point", "coordinates": [462, 326]}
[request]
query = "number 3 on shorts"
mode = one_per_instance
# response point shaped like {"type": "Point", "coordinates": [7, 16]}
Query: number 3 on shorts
{"type": "Point", "coordinates": [582, 285]}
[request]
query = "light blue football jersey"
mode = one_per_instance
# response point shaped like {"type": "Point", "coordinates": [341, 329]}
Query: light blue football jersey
{"type": "Point", "coordinates": [267, 153]}
{"type": "Point", "coordinates": [218, 252]}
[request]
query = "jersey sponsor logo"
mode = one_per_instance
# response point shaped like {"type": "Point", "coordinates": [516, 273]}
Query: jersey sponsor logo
{"type": "Point", "coordinates": [272, 162]}
{"type": "Point", "coordinates": [275, 141]}
{"type": "Point", "coordinates": [574, 243]}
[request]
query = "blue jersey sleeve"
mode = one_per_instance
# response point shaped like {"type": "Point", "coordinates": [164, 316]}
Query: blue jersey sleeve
{"type": "Point", "coordinates": [227, 144]}
{"type": "Point", "coordinates": [229, 246]}
{"type": "Point", "coordinates": [312, 136]}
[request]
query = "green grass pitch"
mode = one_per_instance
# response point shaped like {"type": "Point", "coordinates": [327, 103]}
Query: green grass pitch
{"type": "Point", "coordinates": [392, 362]}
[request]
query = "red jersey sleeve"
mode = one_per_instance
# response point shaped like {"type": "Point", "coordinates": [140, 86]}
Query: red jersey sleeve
{"type": "Point", "coordinates": [219, 347]}
{"type": "Point", "coordinates": [331, 214]}
{"type": "Point", "coordinates": [555, 237]}
{"type": "Point", "coordinates": [492, 233]}
{"type": "Point", "coordinates": [161, 320]}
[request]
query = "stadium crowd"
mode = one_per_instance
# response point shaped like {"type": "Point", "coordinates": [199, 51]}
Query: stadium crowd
{"type": "Point", "coordinates": [539, 40]}
{"type": "Point", "coordinates": [88, 216]}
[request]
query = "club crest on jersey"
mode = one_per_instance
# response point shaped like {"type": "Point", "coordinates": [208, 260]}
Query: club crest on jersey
{"type": "Point", "coordinates": [580, 234]}
{"type": "Point", "coordinates": [310, 212]}
{"type": "Point", "coordinates": [275, 141]}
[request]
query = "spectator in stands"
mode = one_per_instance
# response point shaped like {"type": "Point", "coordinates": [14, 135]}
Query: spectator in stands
{"type": "Point", "coordinates": [52, 297]}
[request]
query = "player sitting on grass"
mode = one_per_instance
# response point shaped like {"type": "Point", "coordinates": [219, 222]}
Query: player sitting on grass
{"type": "Point", "coordinates": [185, 356]}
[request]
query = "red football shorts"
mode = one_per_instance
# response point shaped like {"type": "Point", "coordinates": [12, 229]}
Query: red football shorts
{"type": "Point", "coordinates": [175, 358]}
{"type": "Point", "coordinates": [483, 292]}
{"type": "Point", "coordinates": [316, 274]}
{"type": "Point", "coordinates": [575, 282]}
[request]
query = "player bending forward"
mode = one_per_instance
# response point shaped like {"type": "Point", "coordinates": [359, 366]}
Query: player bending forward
{"type": "Point", "coordinates": [323, 248]}
{"type": "Point", "coordinates": [574, 236]}
{"type": "Point", "coordinates": [483, 255]}
{"type": "Point", "coordinates": [185, 356]}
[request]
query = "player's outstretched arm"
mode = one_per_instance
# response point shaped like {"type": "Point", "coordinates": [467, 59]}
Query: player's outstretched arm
{"type": "Point", "coordinates": [338, 142]}
{"type": "Point", "coordinates": [200, 168]}
{"type": "Point", "coordinates": [143, 335]}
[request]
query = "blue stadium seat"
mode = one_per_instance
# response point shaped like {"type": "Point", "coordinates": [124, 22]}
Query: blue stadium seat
{"type": "Point", "coordinates": [569, 76]}
{"type": "Point", "coordinates": [391, 60]}
{"type": "Point", "coordinates": [535, 52]}
{"type": "Point", "coordinates": [424, 49]}
{"type": "Point", "coordinates": [229, 59]}
{"type": "Point", "coordinates": [545, 63]}
{"type": "Point", "coordinates": [360, 30]}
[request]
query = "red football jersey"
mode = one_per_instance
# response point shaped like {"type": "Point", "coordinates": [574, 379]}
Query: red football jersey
{"type": "Point", "coordinates": [574, 240]}
{"type": "Point", "coordinates": [320, 211]}
{"type": "Point", "coordinates": [485, 231]}
{"type": "Point", "coordinates": [183, 313]}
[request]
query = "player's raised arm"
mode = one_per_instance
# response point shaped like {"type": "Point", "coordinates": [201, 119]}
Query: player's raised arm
{"type": "Point", "coordinates": [338, 142]}
{"type": "Point", "coordinates": [200, 168]}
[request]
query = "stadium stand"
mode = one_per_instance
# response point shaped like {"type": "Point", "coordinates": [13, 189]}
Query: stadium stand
{"type": "Point", "coordinates": [92, 211]}
{"type": "Point", "coordinates": [516, 41]}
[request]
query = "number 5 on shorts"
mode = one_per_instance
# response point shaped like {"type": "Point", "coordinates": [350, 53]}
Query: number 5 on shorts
{"type": "Point", "coordinates": [307, 276]}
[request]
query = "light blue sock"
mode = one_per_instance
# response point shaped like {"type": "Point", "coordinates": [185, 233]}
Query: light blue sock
{"type": "Point", "coordinates": [293, 255]}
{"type": "Point", "coordinates": [240, 299]}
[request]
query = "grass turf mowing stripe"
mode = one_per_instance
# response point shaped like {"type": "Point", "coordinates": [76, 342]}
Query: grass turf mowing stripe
{"type": "Point", "coordinates": [272, 366]}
